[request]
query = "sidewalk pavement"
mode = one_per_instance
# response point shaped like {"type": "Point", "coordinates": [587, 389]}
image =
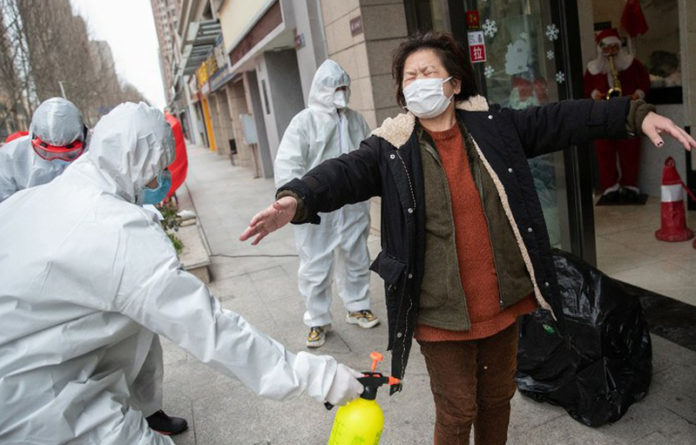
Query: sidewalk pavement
{"type": "Point", "coordinates": [260, 282]}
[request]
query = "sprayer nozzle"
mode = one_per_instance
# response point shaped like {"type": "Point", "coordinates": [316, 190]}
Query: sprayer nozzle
{"type": "Point", "coordinates": [376, 358]}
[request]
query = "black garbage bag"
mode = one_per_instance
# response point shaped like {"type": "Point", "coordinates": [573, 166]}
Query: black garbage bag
{"type": "Point", "coordinates": [601, 362]}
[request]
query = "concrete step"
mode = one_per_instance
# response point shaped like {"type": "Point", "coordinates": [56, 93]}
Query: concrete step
{"type": "Point", "coordinates": [195, 256]}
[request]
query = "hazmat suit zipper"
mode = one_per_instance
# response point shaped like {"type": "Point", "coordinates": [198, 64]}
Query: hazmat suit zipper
{"type": "Point", "coordinates": [341, 142]}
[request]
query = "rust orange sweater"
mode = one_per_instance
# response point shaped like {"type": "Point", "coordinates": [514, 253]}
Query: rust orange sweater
{"type": "Point", "coordinates": [474, 252]}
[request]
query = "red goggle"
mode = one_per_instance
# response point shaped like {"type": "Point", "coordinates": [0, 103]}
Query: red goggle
{"type": "Point", "coordinates": [49, 152]}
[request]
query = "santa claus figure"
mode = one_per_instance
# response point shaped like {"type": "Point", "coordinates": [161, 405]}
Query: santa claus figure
{"type": "Point", "coordinates": [615, 72]}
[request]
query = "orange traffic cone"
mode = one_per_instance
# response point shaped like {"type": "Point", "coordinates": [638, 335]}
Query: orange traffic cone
{"type": "Point", "coordinates": [673, 214]}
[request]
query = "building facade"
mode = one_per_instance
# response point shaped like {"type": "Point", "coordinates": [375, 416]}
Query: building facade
{"type": "Point", "coordinates": [241, 83]}
{"type": "Point", "coordinates": [166, 16]}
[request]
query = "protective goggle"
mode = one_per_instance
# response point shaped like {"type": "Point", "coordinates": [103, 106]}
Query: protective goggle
{"type": "Point", "coordinates": [49, 152]}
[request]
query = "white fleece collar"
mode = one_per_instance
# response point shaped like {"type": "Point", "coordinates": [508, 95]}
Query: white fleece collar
{"type": "Point", "coordinates": [398, 129]}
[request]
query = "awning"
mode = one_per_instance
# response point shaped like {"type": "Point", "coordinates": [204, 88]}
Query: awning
{"type": "Point", "coordinates": [198, 44]}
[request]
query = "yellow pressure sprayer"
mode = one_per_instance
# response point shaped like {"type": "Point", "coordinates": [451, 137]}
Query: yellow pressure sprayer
{"type": "Point", "coordinates": [360, 421]}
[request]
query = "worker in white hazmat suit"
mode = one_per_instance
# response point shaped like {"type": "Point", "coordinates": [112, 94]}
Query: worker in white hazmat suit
{"type": "Point", "coordinates": [89, 279]}
{"type": "Point", "coordinates": [326, 129]}
{"type": "Point", "coordinates": [57, 136]}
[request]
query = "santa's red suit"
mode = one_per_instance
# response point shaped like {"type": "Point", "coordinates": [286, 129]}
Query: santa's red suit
{"type": "Point", "coordinates": [635, 82]}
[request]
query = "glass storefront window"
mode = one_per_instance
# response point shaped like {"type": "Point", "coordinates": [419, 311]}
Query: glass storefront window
{"type": "Point", "coordinates": [520, 72]}
{"type": "Point", "coordinates": [427, 15]}
{"type": "Point", "coordinates": [438, 10]}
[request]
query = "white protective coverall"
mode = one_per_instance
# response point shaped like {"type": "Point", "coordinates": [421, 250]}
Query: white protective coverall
{"type": "Point", "coordinates": [89, 279]}
{"type": "Point", "coordinates": [58, 122]}
{"type": "Point", "coordinates": [315, 134]}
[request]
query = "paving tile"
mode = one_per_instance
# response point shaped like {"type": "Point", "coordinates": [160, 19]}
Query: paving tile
{"type": "Point", "coordinates": [658, 277]}
{"type": "Point", "coordinates": [614, 257]}
{"type": "Point", "coordinates": [263, 289]}
{"type": "Point", "coordinates": [172, 353]}
{"type": "Point", "coordinates": [194, 380]}
{"type": "Point", "coordinates": [676, 387]}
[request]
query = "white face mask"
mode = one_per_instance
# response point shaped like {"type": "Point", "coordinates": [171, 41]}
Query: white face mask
{"type": "Point", "coordinates": [425, 98]}
{"type": "Point", "coordinates": [340, 99]}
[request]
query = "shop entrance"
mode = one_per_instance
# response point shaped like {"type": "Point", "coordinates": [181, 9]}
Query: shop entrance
{"type": "Point", "coordinates": [526, 61]}
{"type": "Point", "coordinates": [536, 52]}
{"type": "Point", "coordinates": [627, 248]}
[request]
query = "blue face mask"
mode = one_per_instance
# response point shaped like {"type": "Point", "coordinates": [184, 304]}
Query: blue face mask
{"type": "Point", "coordinates": [157, 195]}
{"type": "Point", "coordinates": [61, 162]}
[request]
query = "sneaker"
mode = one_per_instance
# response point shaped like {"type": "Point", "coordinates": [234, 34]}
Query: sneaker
{"type": "Point", "coordinates": [166, 425]}
{"type": "Point", "coordinates": [317, 336]}
{"type": "Point", "coordinates": [365, 319]}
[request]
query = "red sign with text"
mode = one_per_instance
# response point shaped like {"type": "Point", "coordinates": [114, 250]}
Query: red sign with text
{"type": "Point", "coordinates": [477, 47]}
{"type": "Point", "coordinates": [472, 19]}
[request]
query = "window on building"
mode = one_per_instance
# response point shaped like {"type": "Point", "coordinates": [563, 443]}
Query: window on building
{"type": "Point", "coordinates": [265, 96]}
{"type": "Point", "coordinates": [427, 15]}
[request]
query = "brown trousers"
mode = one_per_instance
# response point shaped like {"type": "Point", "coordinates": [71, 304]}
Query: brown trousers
{"type": "Point", "coordinates": [472, 383]}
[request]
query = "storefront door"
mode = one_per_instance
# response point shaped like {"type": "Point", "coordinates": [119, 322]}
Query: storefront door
{"type": "Point", "coordinates": [530, 57]}
{"type": "Point", "coordinates": [520, 71]}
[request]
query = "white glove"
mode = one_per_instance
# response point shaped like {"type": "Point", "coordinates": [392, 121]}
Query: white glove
{"type": "Point", "coordinates": [345, 386]}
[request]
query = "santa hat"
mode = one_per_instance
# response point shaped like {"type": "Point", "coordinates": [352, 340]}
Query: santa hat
{"type": "Point", "coordinates": [608, 36]}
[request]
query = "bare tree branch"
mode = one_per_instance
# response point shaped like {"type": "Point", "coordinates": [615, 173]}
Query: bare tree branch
{"type": "Point", "coordinates": [43, 45]}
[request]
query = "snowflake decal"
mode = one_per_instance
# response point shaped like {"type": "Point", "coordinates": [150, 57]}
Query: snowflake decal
{"type": "Point", "coordinates": [560, 77]}
{"type": "Point", "coordinates": [552, 32]}
{"type": "Point", "coordinates": [490, 28]}
{"type": "Point", "coordinates": [488, 72]}
{"type": "Point", "coordinates": [550, 55]}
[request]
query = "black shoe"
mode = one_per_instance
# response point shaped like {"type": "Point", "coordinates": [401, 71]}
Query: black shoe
{"type": "Point", "coordinates": [609, 198]}
{"type": "Point", "coordinates": [166, 425]}
{"type": "Point", "coordinates": [630, 196]}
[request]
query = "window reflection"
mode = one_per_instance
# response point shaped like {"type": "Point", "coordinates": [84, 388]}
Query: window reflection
{"type": "Point", "coordinates": [520, 72]}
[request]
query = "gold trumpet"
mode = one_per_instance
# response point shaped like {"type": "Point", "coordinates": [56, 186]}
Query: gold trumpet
{"type": "Point", "coordinates": [614, 91]}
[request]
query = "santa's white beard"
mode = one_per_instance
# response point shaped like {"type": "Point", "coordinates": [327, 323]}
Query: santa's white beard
{"type": "Point", "coordinates": [601, 64]}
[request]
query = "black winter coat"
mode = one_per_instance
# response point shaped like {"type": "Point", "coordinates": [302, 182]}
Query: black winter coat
{"type": "Point", "coordinates": [388, 164]}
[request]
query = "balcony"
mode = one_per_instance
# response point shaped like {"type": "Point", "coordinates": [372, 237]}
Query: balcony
{"type": "Point", "coordinates": [198, 44]}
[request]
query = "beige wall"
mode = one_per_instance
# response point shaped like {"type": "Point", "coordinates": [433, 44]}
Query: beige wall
{"type": "Point", "coordinates": [663, 34]}
{"type": "Point", "coordinates": [237, 105]}
{"type": "Point", "coordinates": [224, 122]}
{"type": "Point", "coordinates": [235, 17]}
{"type": "Point", "coordinates": [367, 56]}
{"type": "Point", "coordinates": [586, 22]}
{"type": "Point", "coordinates": [350, 52]}
{"type": "Point", "coordinates": [608, 11]}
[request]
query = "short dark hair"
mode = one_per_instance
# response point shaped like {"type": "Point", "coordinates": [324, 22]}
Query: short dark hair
{"type": "Point", "coordinates": [451, 55]}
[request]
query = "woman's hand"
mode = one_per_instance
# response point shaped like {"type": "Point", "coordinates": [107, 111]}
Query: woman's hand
{"type": "Point", "coordinates": [271, 219]}
{"type": "Point", "coordinates": [654, 124]}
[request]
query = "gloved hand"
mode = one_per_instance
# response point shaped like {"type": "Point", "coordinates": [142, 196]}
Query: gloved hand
{"type": "Point", "coordinates": [345, 386]}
